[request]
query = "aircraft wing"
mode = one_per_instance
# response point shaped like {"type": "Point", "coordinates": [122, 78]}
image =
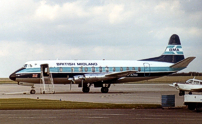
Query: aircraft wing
{"type": "Point", "coordinates": [197, 90]}
{"type": "Point", "coordinates": [120, 74]}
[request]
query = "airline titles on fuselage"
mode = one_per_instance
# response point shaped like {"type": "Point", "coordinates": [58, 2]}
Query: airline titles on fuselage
{"type": "Point", "coordinates": [76, 64]}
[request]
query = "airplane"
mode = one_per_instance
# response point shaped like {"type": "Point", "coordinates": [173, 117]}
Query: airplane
{"type": "Point", "coordinates": [102, 73]}
{"type": "Point", "coordinates": [191, 85]}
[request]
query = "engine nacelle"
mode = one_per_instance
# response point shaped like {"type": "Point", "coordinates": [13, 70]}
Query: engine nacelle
{"type": "Point", "coordinates": [25, 84]}
{"type": "Point", "coordinates": [96, 77]}
{"type": "Point", "coordinates": [79, 77]}
{"type": "Point", "coordinates": [91, 78]}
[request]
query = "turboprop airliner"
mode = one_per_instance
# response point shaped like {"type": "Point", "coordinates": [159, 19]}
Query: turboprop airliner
{"type": "Point", "coordinates": [102, 73]}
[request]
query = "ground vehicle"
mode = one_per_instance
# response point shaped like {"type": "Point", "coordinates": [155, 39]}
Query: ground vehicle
{"type": "Point", "coordinates": [194, 102]}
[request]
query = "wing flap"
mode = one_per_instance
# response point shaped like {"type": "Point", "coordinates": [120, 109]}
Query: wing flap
{"type": "Point", "coordinates": [183, 63]}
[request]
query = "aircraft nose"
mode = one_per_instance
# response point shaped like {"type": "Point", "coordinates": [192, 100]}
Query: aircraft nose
{"type": "Point", "coordinates": [12, 76]}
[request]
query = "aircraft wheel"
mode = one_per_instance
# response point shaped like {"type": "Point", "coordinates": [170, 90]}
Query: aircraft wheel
{"type": "Point", "coordinates": [181, 93]}
{"type": "Point", "coordinates": [32, 91]}
{"type": "Point", "coordinates": [104, 89]}
{"type": "Point", "coordinates": [190, 93]}
{"type": "Point", "coordinates": [86, 89]}
{"type": "Point", "coordinates": [44, 92]}
{"type": "Point", "coordinates": [191, 106]}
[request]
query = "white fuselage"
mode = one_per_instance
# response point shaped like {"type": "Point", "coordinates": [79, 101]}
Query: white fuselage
{"type": "Point", "coordinates": [61, 68]}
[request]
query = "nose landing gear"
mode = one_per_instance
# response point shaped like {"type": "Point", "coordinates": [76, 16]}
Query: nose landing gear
{"type": "Point", "coordinates": [32, 91]}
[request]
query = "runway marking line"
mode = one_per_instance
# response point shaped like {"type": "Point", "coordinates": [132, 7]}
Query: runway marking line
{"type": "Point", "coordinates": [98, 117]}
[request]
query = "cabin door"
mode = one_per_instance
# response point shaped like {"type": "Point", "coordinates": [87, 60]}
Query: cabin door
{"type": "Point", "coordinates": [147, 69]}
{"type": "Point", "coordinates": [45, 71]}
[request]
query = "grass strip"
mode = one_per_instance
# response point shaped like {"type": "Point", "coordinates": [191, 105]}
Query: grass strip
{"type": "Point", "coordinates": [26, 103]}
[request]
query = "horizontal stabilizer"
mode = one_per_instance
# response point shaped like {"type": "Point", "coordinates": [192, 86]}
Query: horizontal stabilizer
{"type": "Point", "coordinates": [121, 74]}
{"type": "Point", "coordinates": [183, 63]}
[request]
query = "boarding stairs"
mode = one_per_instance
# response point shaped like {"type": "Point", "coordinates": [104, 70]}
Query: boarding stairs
{"type": "Point", "coordinates": [46, 81]}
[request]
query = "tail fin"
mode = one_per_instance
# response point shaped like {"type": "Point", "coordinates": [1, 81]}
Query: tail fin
{"type": "Point", "coordinates": [173, 52]}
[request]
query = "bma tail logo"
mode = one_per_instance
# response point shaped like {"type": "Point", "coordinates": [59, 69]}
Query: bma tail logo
{"type": "Point", "coordinates": [173, 50]}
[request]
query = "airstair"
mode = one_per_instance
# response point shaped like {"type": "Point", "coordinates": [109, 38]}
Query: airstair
{"type": "Point", "coordinates": [46, 81]}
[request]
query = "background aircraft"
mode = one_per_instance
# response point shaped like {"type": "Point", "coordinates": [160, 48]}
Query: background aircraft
{"type": "Point", "coordinates": [191, 85]}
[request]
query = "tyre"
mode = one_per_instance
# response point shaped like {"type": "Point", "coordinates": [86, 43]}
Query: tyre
{"type": "Point", "coordinates": [104, 89]}
{"type": "Point", "coordinates": [32, 91]}
{"type": "Point", "coordinates": [86, 89]}
{"type": "Point", "coordinates": [191, 106]}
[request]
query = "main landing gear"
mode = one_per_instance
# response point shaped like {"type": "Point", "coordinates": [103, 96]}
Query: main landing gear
{"type": "Point", "coordinates": [85, 89]}
{"type": "Point", "coordinates": [181, 93]}
{"type": "Point", "coordinates": [105, 88]}
{"type": "Point", "coordinates": [190, 93]}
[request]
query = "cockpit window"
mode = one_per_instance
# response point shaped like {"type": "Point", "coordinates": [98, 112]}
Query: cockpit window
{"type": "Point", "coordinates": [188, 82]}
{"type": "Point", "coordinates": [25, 65]}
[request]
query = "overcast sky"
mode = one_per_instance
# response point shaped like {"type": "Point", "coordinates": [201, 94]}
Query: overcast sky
{"type": "Point", "coordinates": [96, 29]}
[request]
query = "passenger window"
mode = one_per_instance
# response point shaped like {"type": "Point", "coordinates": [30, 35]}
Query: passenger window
{"type": "Point", "coordinates": [86, 69]}
{"type": "Point", "coordinates": [60, 69]}
{"type": "Point", "coordinates": [93, 69]}
{"type": "Point", "coordinates": [100, 69]}
{"type": "Point", "coordinates": [196, 82]}
{"type": "Point", "coordinates": [114, 69]}
{"type": "Point", "coordinates": [121, 68]}
{"type": "Point", "coordinates": [80, 69]}
{"type": "Point", "coordinates": [106, 69]}
{"type": "Point", "coordinates": [139, 69]}
{"type": "Point", "coordinates": [72, 69]}
{"type": "Point", "coordinates": [133, 68]}
{"type": "Point", "coordinates": [127, 68]}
